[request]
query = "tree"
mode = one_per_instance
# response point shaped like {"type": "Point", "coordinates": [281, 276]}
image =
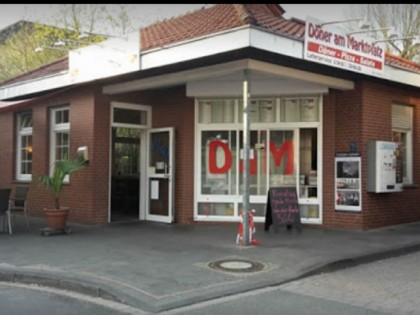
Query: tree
{"type": "Point", "coordinates": [100, 18]}
{"type": "Point", "coordinates": [18, 49]}
{"type": "Point", "coordinates": [405, 18]}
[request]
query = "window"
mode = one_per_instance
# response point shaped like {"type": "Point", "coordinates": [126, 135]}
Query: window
{"type": "Point", "coordinates": [60, 132]}
{"type": "Point", "coordinates": [280, 152]}
{"type": "Point", "coordinates": [402, 129]}
{"type": "Point", "coordinates": [216, 111]}
{"type": "Point", "coordinates": [24, 146]}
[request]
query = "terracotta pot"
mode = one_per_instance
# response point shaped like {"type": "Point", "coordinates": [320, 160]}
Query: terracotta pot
{"type": "Point", "coordinates": [57, 218]}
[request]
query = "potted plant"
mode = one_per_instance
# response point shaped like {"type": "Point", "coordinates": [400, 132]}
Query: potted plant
{"type": "Point", "coordinates": [57, 217]}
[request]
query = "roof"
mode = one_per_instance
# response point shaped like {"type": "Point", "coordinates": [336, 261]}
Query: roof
{"type": "Point", "coordinates": [210, 20]}
{"type": "Point", "coordinates": [219, 18]}
{"type": "Point", "coordinates": [400, 62]}
{"type": "Point", "coordinates": [57, 66]}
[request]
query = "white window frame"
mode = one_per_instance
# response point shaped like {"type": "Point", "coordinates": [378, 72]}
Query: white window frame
{"type": "Point", "coordinates": [203, 123]}
{"type": "Point", "coordinates": [57, 128]}
{"type": "Point", "coordinates": [22, 132]}
{"type": "Point", "coordinates": [402, 122]}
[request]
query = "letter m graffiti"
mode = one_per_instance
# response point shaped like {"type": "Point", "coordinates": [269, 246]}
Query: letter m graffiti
{"type": "Point", "coordinates": [278, 154]}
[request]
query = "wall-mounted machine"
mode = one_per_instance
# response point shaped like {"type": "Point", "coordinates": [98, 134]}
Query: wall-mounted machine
{"type": "Point", "coordinates": [384, 167]}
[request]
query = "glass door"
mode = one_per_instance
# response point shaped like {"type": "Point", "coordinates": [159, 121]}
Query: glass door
{"type": "Point", "coordinates": [160, 176]}
{"type": "Point", "coordinates": [125, 174]}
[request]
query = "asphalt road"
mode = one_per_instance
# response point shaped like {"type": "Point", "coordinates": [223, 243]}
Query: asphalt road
{"type": "Point", "coordinates": [21, 299]}
{"type": "Point", "coordinates": [389, 286]}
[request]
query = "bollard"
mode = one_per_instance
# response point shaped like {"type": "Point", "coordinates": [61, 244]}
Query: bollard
{"type": "Point", "coordinates": [251, 226]}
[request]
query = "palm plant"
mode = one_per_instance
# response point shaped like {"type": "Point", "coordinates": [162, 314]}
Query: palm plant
{"type": "Point", "coordinates": [55, 181]}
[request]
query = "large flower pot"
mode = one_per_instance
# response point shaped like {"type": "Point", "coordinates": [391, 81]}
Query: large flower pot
{"type": "Point", "coordinates": [57, 218]}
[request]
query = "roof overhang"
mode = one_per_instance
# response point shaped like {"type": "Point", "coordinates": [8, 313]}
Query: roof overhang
{"type": "Point", "coordinates": [34, 86]}
{"type": "Point", "coordinates": [14, 104]}
{"type": "Point", "coordinates": [232, 71]}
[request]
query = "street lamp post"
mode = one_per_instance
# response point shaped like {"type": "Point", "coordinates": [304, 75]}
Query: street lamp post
{"type": "Point", "coordinates": [246, 155]}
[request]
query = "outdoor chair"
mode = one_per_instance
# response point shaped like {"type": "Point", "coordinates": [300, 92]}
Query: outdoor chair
{"type": "Point", "coordinates": [5, 210]}
{"type": "Point", "coordinates": [18, 202]}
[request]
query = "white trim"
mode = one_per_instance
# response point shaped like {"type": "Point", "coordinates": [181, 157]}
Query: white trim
{"type": "Point", "coordinates": [41, 84]}
{"type": "Point", "coordinates": [402, 122]}
{"type": "Point", "coordinates": [306, 76]}
{"type": "Point", "coordinates": [181, 77]}
{"type": "Point", "coordinates": [229, 68]}
{"type": "Point", "coordinates": [132, 106]}
{"type": "Point", "coordinates": [237, 127]}
{"type": "Point", "coordinates": [21, 133]}
{"type": "Point", "coordinates": [170, 176]}
{"type": "Point", "coordinates": [195, 48]}
{"type": "Point", "coordinates": [54, 129]}
{"type": "Point", "coordinates": [143, 156]}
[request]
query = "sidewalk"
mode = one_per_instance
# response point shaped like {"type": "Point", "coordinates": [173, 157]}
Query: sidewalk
{"type": "Point", "coordinates": [156, 267]}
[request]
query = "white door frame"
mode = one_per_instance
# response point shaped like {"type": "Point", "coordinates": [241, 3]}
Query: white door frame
{"type": "Point", "coordinates": [169, 173]}
{"type": "Point", "coordinates": [143, 150]}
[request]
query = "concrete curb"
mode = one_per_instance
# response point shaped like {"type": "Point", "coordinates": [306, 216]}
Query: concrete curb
{"type": "Point", "coordinates": [360, 260]}
{"type": "Point", "coordinates": [52, 281]}
{"type": "Point", "coordinates": [108, 292]}
{"type": "Point", "coordinates": [76, 284]}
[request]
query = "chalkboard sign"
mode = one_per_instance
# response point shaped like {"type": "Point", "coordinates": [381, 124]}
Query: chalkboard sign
{"type": "Point", "coordinates": [282, 208]}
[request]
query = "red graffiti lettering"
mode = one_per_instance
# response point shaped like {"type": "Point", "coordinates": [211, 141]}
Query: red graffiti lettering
{"type": "Point", "coordinates": [252, 166]}
{"type": "Point", "coordinates": [278, 155]}
{"type": "Point", "coordinates": [213, 167]}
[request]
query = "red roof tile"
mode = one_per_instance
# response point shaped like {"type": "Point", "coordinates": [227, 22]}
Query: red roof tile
{"type": "Point", "coordinates": [219, 17]}
{"type": "Point", "coordinates": [51, 68]}
{"type": "Point", "coordinates": [397, 61]}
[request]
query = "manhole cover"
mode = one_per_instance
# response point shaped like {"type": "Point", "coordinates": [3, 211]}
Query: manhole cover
{"type": "Point", "coordinates": [236, 265]}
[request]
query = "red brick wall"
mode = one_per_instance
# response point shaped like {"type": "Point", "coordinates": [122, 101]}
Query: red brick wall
{"type": "Point", "coordinates": [7, 153]}
{"type": "Point", "coordinates": [84, 194]}
{"type": "Point", "coordinates": [99, 160]}
{"type": "Point", "coordinates": [89, 118]}
{"type": "Point", "coordinates": [363, 115]}
{"type": "Point", "coordinates": [342, 118]}
{"type": "Point", "coordinates": [390, 208]}
{"type": "Point", "coordinates": [328, 152]}
{"type": "Point", "coordinates": [77, 194]}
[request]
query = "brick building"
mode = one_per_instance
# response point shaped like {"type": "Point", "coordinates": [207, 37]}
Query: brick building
{"type": "Point", "coordinates": [161, 114]}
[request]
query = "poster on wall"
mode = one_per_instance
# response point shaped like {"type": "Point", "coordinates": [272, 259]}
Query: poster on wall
{"type": "Point", "coordinates": [348, 182]}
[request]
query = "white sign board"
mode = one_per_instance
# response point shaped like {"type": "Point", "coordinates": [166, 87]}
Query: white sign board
{"type": "Point", "coordinates": [333, 46]}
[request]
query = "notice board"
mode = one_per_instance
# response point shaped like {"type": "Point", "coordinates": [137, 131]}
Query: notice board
{"type": "Point", "coordinates": [282, 208]}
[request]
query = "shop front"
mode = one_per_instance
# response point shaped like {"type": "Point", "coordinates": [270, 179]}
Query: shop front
{"type": "Point", "coordinates": [168, 136]}
{"type": "Point", "coordinates": [286, 137]}
{"type": "Point", "coordinates": [285, 141]}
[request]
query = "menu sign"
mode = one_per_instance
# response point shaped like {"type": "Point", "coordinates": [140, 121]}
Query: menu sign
{"type": "Point", "coordinates": [282, 207]}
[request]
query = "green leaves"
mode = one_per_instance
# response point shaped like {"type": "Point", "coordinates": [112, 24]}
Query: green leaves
{"type": "Point", "coordinates": [55, 181]}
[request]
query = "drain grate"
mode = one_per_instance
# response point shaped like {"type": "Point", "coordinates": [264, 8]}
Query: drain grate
{"type": "Point", "coordinates": [236, 265]}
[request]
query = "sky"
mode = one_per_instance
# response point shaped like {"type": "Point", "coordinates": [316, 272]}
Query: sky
{"type": "Point", "coordinates": [149, 13]}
